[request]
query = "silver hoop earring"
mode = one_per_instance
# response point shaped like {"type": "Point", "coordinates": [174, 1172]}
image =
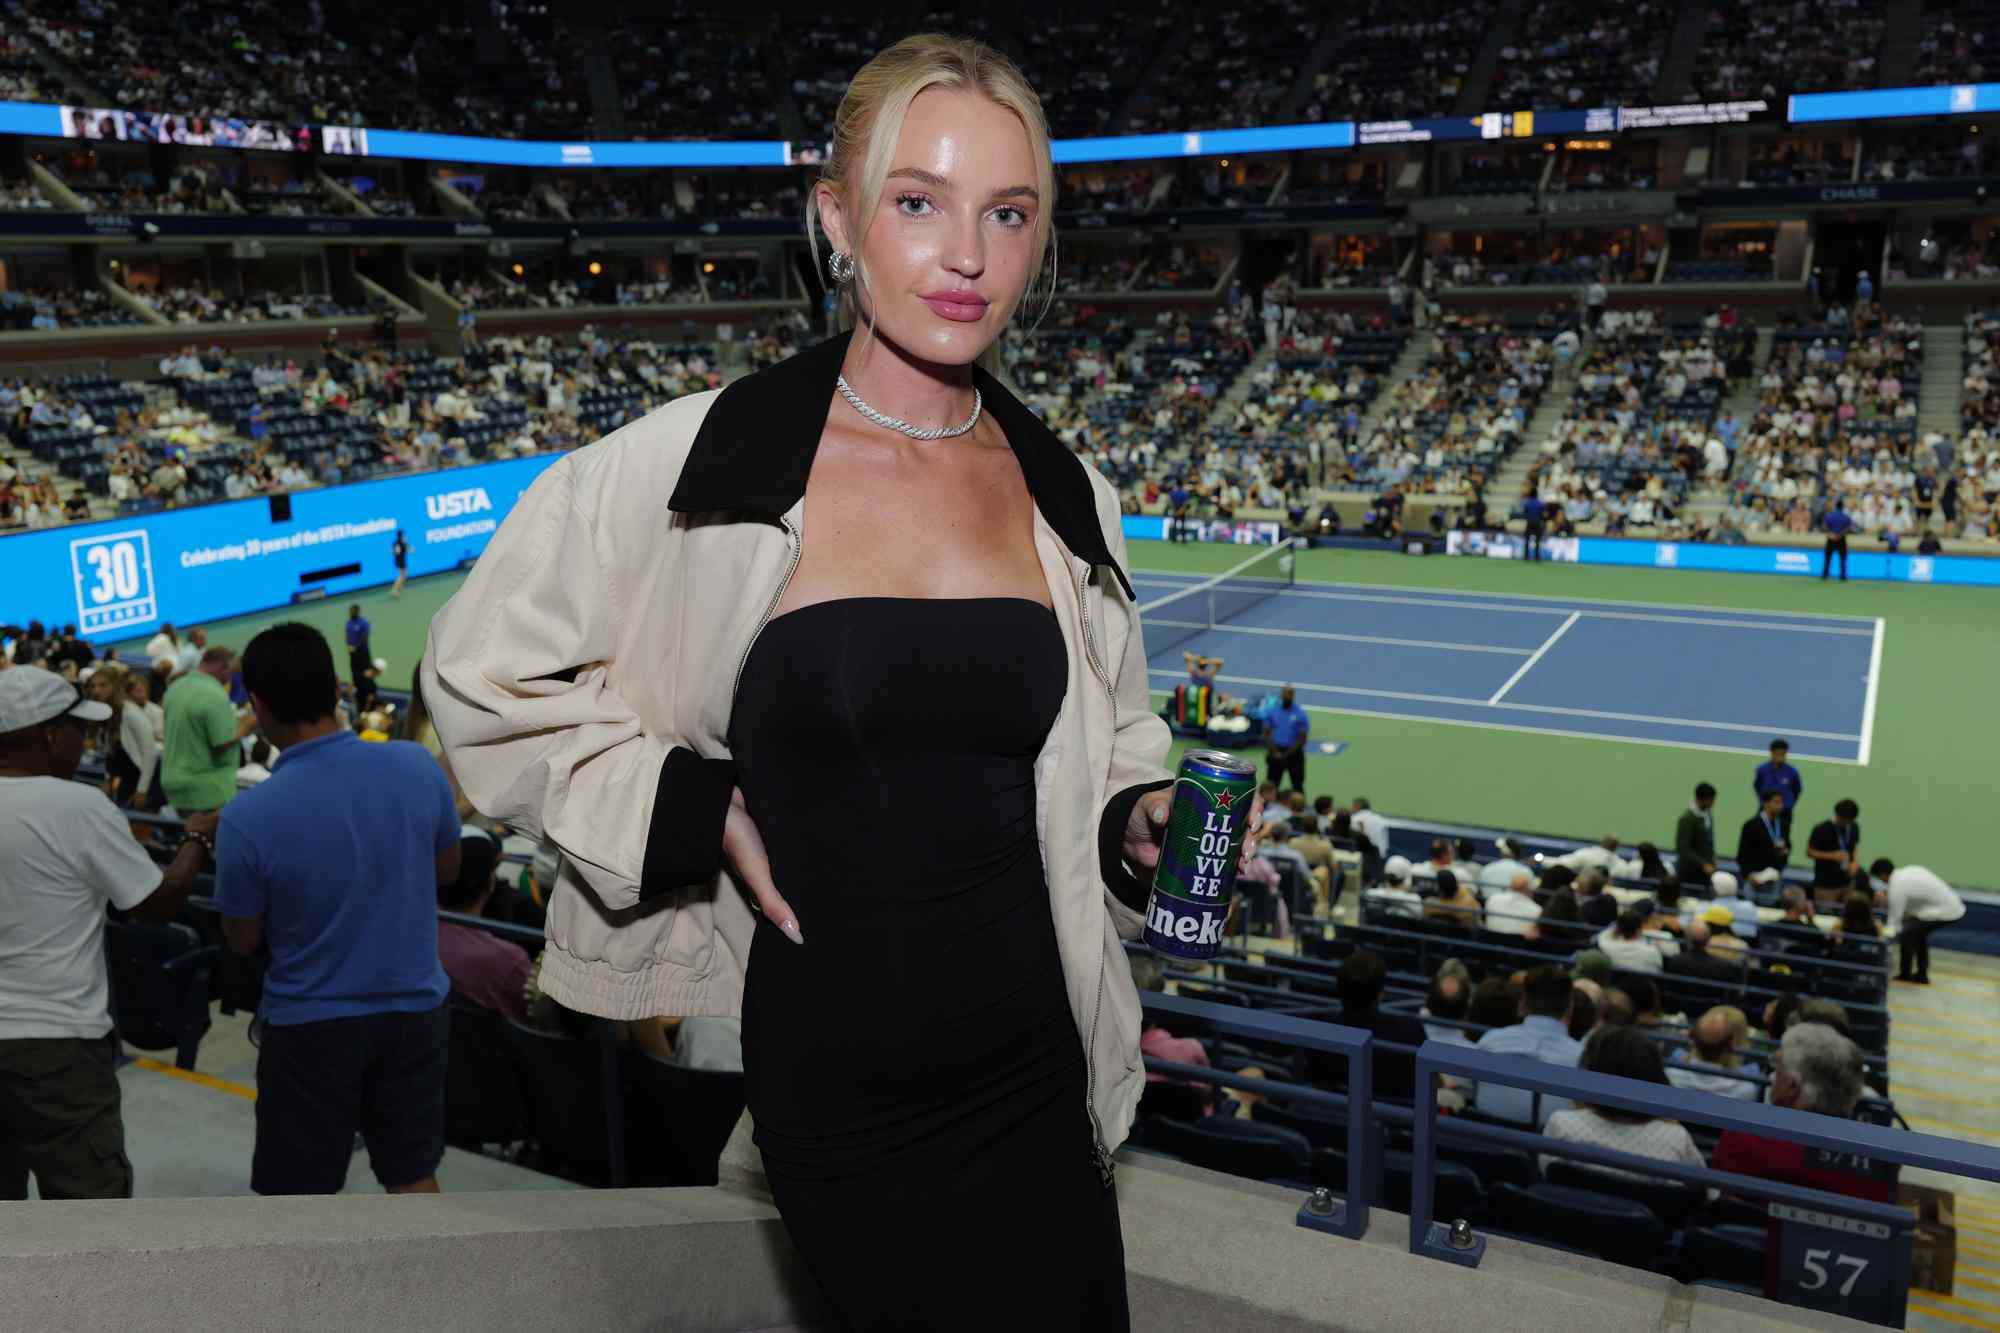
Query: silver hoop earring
{"type": "Point", "coordinates": [840, 267]}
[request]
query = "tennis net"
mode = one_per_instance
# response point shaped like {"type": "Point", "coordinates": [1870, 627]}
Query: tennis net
{"type": "Point", "coordinates": [1172, 620]}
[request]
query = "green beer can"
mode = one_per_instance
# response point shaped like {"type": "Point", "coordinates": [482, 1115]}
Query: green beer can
{"type": "Point", "coordinates": [1213, 793]}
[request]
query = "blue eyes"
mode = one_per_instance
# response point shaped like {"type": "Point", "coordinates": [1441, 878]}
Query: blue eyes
{"type": "Point", "coordinates": [917, 206]}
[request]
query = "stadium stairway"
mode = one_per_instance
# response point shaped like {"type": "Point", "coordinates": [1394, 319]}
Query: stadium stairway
{"type": "Point", "coordinates": [1500, 34]}
{"type": "Point", "coordinates": [1513, 473]}
{"type": "Point", "coordinates": [1944, 379]}
{"type": "Point", "coordinates": [1708, 501]}
{"type": "Point", "coordinates": [1677, 72]}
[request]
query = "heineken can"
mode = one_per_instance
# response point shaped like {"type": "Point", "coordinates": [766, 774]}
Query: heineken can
{"type": "Point", "coordinates": [1213, 793]}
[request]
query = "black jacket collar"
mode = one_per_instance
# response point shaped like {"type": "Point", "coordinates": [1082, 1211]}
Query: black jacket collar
{"type": "Point", "coordinates": [755, 449]}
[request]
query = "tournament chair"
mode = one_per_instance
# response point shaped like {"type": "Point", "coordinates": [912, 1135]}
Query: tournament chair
{"type": "Point", "coordinates": [159, 986]}
{"type": "Point", "coordinates": [1247, 1148]}
{"type": "Point", "coordinates": [483, 1098]}
{"type": "Point", "coordinates": [1669, 1201]}
{"type": "Point", "coordinates": [677, 1119]}
{"type": "Point", "coordinates": [567, 1088]}
{"type": "Point", "coordinates": [1612, 1228]}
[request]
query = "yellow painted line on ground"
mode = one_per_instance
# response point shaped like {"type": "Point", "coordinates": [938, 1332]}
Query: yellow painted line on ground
{"type": "Point", "coordinates": [1921, 1305]}
{"type": "Point", "coordinates": [1975, 1268]}
{"type": "Point", "coordinates": [1907, 1091]}
{"type": "Point", "coordinates": [1966, 1246]}
{"type": "Point", "coordinates": [1953, 1130]}
{"type": "Point", "coordinates": [1902, 1067]}
{"type": "Point", "coordinates": [1975, 978]}
{"type": "Point", "coordinates": [1956, 1302]}
{"type": "Point", "coordinates": [1960, 1277]}
{"type": "Point", "coordinates": [1966, 1224]}
{"type": "Point", "coordinates": [1968, 1026]}
{"type": "Point", "coordinates": [199, 1079]}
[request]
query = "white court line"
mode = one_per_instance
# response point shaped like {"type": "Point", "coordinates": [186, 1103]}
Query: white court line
{"type": "Point", "coordinates": [1226, 628]}
{"type": "Point", "coordinates": [1570, 602]}
{"type": "Point", "coordinates": [1759, 729]}
{"type": "Point", "coordinates": [1535, 657]}
{"type": "Point", "coordinates": [1591, 612]}
{"type": "Point", "coordinates": [1874, 684]}
{"type": "Point", "coordinates": [1552, 731]}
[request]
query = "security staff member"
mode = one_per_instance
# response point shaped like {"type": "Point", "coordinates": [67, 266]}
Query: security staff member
{"type": "Point", "coordinates": [1838, 524]}
{"type": "Point", "coordinates": [1287, 741]}
{"type": "Point", "coordinates": [1832, 847]}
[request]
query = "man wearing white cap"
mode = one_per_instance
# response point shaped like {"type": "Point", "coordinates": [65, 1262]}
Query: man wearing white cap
{"type": "Point", "coordinates": [65, 852]}
{"type": "Point", "coordinates": [1396, 896]}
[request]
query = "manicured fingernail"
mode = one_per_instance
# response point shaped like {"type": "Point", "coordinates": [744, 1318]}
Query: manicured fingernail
{"type": "Point", "coordinates": [791, 929]}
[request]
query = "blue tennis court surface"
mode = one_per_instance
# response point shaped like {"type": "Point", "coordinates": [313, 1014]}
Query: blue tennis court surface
{"type": "Point", "coordinates": [1711, 678]}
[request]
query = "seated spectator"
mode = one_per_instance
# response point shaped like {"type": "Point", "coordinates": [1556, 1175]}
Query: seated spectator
{"type": "Point", "coordinates": [1615, 1009]}
{"type": "Point", "coordinates": [1277, 848]}
{"type": "Point", "coordinates": [1452, 903]}
{"type": "Point", "coordinates": [1648, 1009]}
{"type": "Point", "coordinates": [1395, 896]}
{"type": "Point", "coordinates": [1629, 1054]}
{"type": "Point", "coordinates": [1819, 1070]}
{"type": "Point", "coordinates": [1513, 910]}
{"type": "Point", "coordinates": [483, 968]}
{"type": "Point", "coordinates": [1156, 1041]}
{"type": "Point", "coordinates": [1715, 956]}
{"type": "Point", "coordinates": [1450, 999]}
{"type": "Point", "coordinates": [1857, 918]}
{"type": "Point", "coordinates": [1497, 876]}
{"type": "Point", "coordinates": [1496, 1003]}
{"type": "Point", "coordinates": [1542, 1034]}
{"type": "Point", "coordinates": [1714, 1052]}
{"type": "Point", "coordinates": [1363, 975]}
{"type": "Point", "coordinates": [1626, 944]}
{"type": "Point", "coordinates": [1594, 904]}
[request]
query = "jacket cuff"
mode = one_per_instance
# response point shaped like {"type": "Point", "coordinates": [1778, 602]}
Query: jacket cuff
{"type": "Point", "coordinates": [1125, 886]}
{"type": "Point", "coordinates": [684, 841]}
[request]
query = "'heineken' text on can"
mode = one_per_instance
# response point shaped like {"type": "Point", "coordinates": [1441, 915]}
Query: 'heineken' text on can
{"type": "Point", "coordinates": [1205, 825]}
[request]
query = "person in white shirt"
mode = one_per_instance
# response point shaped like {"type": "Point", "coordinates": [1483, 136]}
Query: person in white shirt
{"type": "Point", "coordinates": [1513, 910]}
{"type": "Point", "coordinates": [1918, 903]}
{"type": "Point", "coordinates": [1624, 942]}
{"type": "Point", "coordinates": [1366, 823]}
{"type": "Point", "coordinates": [1497, 876]}
{"type": "Point", "coordinates": [1604, 856]}
{"type": "Point", "coordinates": [1624, 1053]}
{"type": "Point", "coordinates": [137, 737]}
{"type": "Point", "coordinates": [1396, 896]}
{"type": "Point", "coordinates": [65, 855]}
{"type": "Point", "coordinates": [164, 645]}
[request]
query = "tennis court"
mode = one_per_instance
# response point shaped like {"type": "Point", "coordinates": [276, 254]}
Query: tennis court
{"type": "Point", "coordinates": [1700, 677]}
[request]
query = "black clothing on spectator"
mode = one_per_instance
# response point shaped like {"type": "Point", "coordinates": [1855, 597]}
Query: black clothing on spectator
{"type": "Point", "coordinates": [916, 1077]}
{"type": "Point", "coordinates": [1757, 850]}
{"type": "Point", "coordinates": [1598, 909]}
{"type": "Point", "coordinates": [1913, 939]}
{"type": "Point", "coordinates": [1394, 1072]}
{"type": "Point", "coordinates": [380, 1075]}
{"type": "Point", "coordinates": [60, 1121]}
{"type": "Point", "coordinates": [1687, 963]}
{"type": "Point", "coordinates": [1828, 836]}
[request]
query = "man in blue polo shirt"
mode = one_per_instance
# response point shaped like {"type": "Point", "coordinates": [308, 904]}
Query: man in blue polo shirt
{"type": "Point", "coordinates": [1177, 507]}
{"type": "Point", "coordinates": [1287, 741]}
{"type": "Point", "coordinates": [1838, 523]}
{"type": "Point", "coordinates": [335, 863]}
{"type": "Point", "coordinates": [1779, 776]}
{"type": "Point", "coordinates": [1533, 511]}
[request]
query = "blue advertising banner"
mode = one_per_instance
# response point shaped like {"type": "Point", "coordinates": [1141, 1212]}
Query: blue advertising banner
{"type": "Point", "coordinates": [1884, 103]}
{"type": "Point", "coordinates": [1970, 570]}
{"type": "Point", "coordinates": [123, 577]}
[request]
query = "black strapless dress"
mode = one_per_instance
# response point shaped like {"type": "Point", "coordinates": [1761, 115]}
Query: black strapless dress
{"type": "Point", "coordinates": [914, 1071]}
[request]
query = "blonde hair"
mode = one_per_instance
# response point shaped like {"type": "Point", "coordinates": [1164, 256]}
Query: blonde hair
{"type": "Point", "coordinates": [869, 123]}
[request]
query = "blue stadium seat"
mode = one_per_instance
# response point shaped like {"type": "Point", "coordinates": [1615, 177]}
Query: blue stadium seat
{"type": "Point", "coordinates": [1605, 1225]}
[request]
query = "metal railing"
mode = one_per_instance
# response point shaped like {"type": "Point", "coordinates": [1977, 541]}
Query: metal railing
{"type": "Point", "coordinates": [1854, 1235]}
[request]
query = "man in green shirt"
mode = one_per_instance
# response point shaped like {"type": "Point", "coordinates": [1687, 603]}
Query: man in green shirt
{"type": "Point", "coordinates": [199, 758]}
{"type": "Point", "coordinates": [1694, 838]}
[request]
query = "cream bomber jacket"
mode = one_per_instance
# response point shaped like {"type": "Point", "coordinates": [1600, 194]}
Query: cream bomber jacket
{"type": "Point", "coordinates": [582, 680]}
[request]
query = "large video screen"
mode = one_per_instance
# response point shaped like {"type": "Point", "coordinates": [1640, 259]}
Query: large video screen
{"type": "Point", "coordinates": [123, 577]}
{"type": "Point", "coordinates": [176, 127]}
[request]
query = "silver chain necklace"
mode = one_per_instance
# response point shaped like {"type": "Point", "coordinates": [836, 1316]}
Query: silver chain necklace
{"type": "Point", "coordinates": [898, 424]}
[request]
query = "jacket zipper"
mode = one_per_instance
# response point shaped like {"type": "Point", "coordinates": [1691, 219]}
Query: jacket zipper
{"type": "Point", "coordinates": [1100, 1154]}
{"type": "Point", "coordinates": [798, 545]}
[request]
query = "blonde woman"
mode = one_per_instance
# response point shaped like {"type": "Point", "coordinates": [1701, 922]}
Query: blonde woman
{"type": "Point", "coordinates": [715, 656]}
